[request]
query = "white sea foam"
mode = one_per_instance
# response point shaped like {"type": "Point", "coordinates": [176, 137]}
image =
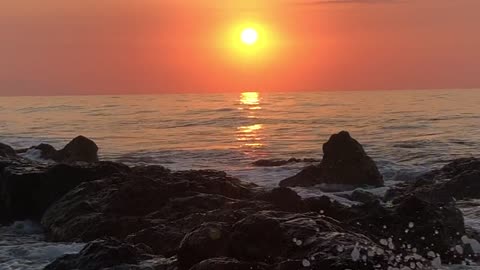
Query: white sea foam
{"type": "Point", "coordinates": [23, 247]}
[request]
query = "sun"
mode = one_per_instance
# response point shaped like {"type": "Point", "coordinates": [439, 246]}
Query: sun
{"type": "Point", "coordinates": [249, 36]}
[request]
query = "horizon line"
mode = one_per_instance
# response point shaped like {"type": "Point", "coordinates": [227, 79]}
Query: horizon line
{"type": "Point", "coordinates": [232, 92]}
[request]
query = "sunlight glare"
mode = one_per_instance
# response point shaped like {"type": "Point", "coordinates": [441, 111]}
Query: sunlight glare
{"type": "Point", "coordinates": [249, 36]}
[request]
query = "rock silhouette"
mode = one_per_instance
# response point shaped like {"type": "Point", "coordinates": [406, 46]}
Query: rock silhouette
{"type": "Point", "coordinates": [344, 163]}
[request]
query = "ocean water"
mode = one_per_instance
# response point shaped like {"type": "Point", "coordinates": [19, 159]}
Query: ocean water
{"type": "Point", "coordinates": [405, 132]}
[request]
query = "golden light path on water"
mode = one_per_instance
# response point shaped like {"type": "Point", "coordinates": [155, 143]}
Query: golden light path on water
{"type": "Point", "coordinates": [250, 136]}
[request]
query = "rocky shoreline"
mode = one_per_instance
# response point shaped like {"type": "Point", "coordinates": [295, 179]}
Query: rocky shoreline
{"type": "Point", "coordinates": [149, 217]}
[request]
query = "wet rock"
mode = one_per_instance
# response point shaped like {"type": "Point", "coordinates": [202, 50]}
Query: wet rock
{"type": "Point", "coordinates": [282, 162]}
{"type": "Point", "coordinates": [344, 162]}
{"type": "Point", "coordinates": [457, 180]}
{"type": "Point", "coordinates": [412, 222]}
{"type": "Point", "coordinates": [7, 151]}
{"type": "Point", "coordinates": [104, 254]}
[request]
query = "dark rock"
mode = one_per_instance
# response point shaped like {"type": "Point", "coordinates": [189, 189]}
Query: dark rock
{"type": "Point", "coordinates": [344, 162]}
{"type": "Point", "coordinates": [79, 149]}
{"type": "Point", "coordinates": [103, 254]}
{"type": "Point", "coordinates": [162, 239]}
{"type": "Point", "coordinates": [135, 201]}
{"type": "Point", "coordinates": [285, 199]}
{"type": "Point", "coordinates": [28, 189]}
{"type": "Point", "coordinates": [210, 240]}
{"type": "Point", "coordinates": [282, 162]}
{"type": "Point", "coordinates": [224, 263]}
{"type": "Point", "coordinates": [411, 222]}
{"type": "Point", "coordinates": [7, 151]}
{"type": "Point", "coordinates": [46, 151]}
{"type": "Point", "coordinates": [363, 196]}
{"type": "Point", "coordinates": [457, 180]}
{"type": "Point", "coordinates": [325, 206]}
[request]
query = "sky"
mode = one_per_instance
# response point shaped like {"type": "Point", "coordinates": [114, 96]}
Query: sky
{"type": "Point", "coordinates": [58, 47]}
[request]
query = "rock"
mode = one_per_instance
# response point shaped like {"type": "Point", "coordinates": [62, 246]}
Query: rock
{"type": "Point", "coordinates": [363, 196]}
{"type": "Point", "coordinates": [46, 151]}
{"type": "Point", "coordinates": [344, 163]}
{"type": "Point", "coordinates": [132, 202]}
{"type": "Point", "coordinates": [7, 151]}
{"type": "Point", "coordinates": [224, 263]}
{"type": "Point", "coordinates": [285, 199]}
{"type": "Point", "coordinates": [29, 188]}
{"type": "Point", "coordinates": [457, 180]}
{"type": "Point", "coordinates": [281, 162]}
{"type": "Point", "coordinates": [210, 240]}
{"type": "Point", "coordinates": [104, 254]}
{"type": "Point", "coordinates": [325, 206]}
{"type": "Point", "coordinates": [79, 149]}
{"type": "Point", "coordinates": [162, 238]}
{"type": "Point", "coordinates": [411, 222]}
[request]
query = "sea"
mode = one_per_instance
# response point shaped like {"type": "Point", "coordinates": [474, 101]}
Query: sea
{"type": "Point", "coordinates": [406, 132]}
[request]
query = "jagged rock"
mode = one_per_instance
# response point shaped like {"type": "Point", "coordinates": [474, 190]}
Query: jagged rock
{"type": "Point", "coordinates": [344, 163]}
{"type": "Point", "coordinates": [6, 151]}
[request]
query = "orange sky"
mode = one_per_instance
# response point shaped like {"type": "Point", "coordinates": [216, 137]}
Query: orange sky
{"type": "Point", "coordinates": [151, 46]}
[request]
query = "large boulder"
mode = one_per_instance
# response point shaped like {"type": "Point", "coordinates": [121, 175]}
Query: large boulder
{"type": "Point", "coordinates": [123, 205]}
{"type": "Point", "coordinates": [6, 151]}
{"type": "Point", "coordinates": [344, 163]}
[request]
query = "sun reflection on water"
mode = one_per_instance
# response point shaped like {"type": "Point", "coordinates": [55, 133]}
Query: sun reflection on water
{"type": "Point", "coordinates": [250, 135]}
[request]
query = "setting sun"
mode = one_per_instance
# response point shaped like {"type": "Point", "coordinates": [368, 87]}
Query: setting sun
{"type": "Point", "coordinates": [249, 36]}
